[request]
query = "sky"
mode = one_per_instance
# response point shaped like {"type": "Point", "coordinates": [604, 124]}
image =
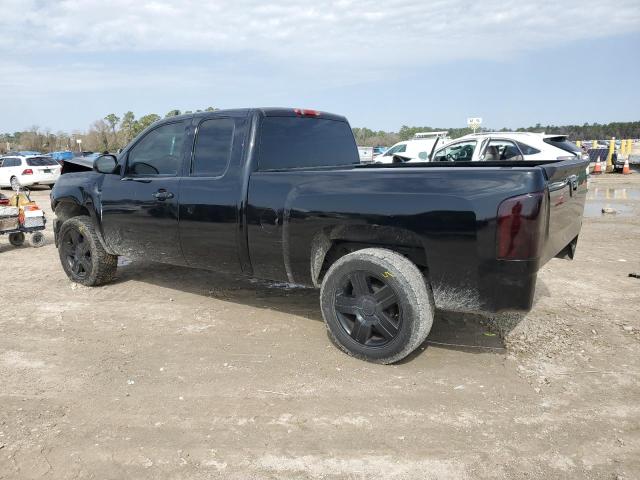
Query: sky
{"type": "Point", "coordinates": [383, 64]}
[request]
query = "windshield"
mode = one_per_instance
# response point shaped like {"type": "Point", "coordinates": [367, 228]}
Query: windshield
{"type": "Point", "coordinates": [396, 149]}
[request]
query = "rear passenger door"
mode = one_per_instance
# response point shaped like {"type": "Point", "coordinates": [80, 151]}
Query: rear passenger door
{"type": "Point", "coordinates": [210, 194]}
{"type": "Point", "coordinates": [501, 150]}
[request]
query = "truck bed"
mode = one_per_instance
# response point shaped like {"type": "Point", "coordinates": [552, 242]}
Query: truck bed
{"type": "Point", "coordinates": [444, 216]}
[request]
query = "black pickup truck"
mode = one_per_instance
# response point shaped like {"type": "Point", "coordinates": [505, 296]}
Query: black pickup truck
{"type": "Point", "coordinates": [280, 194]}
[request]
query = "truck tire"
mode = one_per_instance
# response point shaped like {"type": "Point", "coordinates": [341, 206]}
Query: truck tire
{"type": "Point", "coordinates": [83, 258]}
{"type": "Point", "coordinates": [377, 305]}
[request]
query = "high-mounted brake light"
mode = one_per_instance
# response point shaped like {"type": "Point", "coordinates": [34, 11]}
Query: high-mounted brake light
{"type": "Point", "coordinates": [306, 112]}
{"type": "Point", "coordinates": [520, 226]}
{"type": "Point", "coordinates": [27, 171]}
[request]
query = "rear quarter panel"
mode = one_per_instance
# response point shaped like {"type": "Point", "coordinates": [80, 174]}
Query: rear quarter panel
{"type": "Point", "coordinates": [449, 212]}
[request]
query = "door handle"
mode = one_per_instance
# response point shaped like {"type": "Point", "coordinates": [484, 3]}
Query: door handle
{"type": "Point", "coordinates": [162, 195]}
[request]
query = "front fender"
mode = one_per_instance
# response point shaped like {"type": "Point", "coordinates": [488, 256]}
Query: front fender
{"type": "Point", "coordinates": [78, 194]}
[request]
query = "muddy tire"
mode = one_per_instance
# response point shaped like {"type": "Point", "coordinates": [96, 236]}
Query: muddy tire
{"type": "Point", "coordinates": [376, 305]}
{"type": "Point", "coordinates": [83, 258]}
{"type": "Point", "coordinates": [16, 239]}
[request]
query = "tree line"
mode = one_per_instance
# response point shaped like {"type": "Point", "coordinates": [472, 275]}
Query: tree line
{"type": "Point", "coordinates": [113, 132]}
{"type": "Point", "coordinates": [108, 134]}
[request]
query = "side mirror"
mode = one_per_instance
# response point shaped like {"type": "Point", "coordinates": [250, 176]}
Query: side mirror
{"type": "Point", "coordinates": [105, 164]}
{"type": "Point", "coordinates": [424, 156]}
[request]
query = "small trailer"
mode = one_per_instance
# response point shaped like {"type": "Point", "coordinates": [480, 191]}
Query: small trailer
{"type": "Point", "coordinates": [22, 217]}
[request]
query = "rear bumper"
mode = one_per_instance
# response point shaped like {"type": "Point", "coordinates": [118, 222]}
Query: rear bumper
{"type": "Point", "coordinates": [498, 286]}
{"type": "Point", "coordinates": [38, 179]}
{"type": "Point", "coordinates": [510, 287]}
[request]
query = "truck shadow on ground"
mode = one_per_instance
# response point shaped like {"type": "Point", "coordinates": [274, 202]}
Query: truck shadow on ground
{"type": "Point", "coordinates": [467, 332]}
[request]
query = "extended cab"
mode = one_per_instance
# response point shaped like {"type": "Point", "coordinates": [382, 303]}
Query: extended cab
{"type": "Point", "coordinates": [280, 194]}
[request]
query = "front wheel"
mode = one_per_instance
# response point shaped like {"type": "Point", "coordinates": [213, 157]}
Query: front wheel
{"type": "Point", "coordinates": [377, 305]}
{"type": "Point", "coordinates": [83, 257]}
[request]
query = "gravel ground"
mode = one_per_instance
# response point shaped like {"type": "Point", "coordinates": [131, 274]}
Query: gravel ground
{"type": "Point", "coordinates": [172, 373]}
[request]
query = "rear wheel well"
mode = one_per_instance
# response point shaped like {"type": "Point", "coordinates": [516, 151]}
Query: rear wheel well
{"type": "Point", "coordinates": [340, 248]}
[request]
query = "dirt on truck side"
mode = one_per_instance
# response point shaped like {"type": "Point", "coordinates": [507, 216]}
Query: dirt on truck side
{"type": "Point", "coordinates": [178, 373]}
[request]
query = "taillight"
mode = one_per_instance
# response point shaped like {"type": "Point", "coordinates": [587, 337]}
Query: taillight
{"type": "Point", "coordinates": [520, 226]}
{"type": "Point", "coordinates": [4, 201]}
{"type": "Point", "coordinates": [305, 112]}
{"type": "Point", "coordinates": [27, 171]}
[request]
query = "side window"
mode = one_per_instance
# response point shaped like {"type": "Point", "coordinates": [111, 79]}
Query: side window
{"type": "Point", "coordinates": [501, 150]}
{"type": "Point", "coordinates": [213, 147]}
{"type": "Point", "coordinates": [526, 149]}
{"type": "Point", "coordinates": [458, 152]}
{"type": "Point", "coordinates": [159, 152]}
{"type": "Point", "coordinates": [11, 162]}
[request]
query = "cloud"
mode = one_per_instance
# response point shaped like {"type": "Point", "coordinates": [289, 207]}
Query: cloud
{"type": "Point", "coordinates": [342, 32]}
{"type": "Point", "coordinates": [65, 62]}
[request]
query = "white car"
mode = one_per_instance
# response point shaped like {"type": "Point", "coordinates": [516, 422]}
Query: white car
{"type": "Point", "coordinates": [21, 170]}
{"type": "Point", "coordinates": [417, 149]}
{"type": "Point", "coordinates": [501, 146]}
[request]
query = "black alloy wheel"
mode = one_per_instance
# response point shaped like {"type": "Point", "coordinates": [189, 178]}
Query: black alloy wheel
{"type": "Point", "coordinates": [368, 309]}
{"type": "Point", "coordinates": [377, 305]}
{"type": "Point", "coordinates": [76, 252]}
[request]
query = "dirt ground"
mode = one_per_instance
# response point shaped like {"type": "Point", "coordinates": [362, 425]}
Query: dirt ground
{"type": "Point", "coordinates": [171, 373]}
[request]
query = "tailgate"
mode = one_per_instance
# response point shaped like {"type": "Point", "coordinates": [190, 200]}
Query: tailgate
{"type": "Point", "coordinates": [567, 187]}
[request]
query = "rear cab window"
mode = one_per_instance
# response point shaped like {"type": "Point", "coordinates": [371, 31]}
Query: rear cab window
{"type": "Point", "coordinates": [303, 142]}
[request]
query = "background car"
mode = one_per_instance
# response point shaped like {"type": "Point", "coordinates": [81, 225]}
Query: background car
{"type": "Point", "coordinates": [24, 171]}
{"type": "Point", "coordinates": [379, 150]}
{"type": "Point", "coordinates": [497, 146]}
{"type": "Point", "coordinates": [418, 148]}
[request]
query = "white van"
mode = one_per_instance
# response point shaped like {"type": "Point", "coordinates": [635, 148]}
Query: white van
{"type": "Point", "coordinates": [418, 148]}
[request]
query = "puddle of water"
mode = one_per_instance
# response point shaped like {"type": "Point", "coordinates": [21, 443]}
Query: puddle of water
{"type": "Point", "coordinates": [599, 193]}
{"type": "Point", "coordinates": [594, 209]}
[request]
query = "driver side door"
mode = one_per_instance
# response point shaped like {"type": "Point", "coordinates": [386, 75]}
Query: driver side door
{"type": "Point", "coordinates": [140, 206]}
